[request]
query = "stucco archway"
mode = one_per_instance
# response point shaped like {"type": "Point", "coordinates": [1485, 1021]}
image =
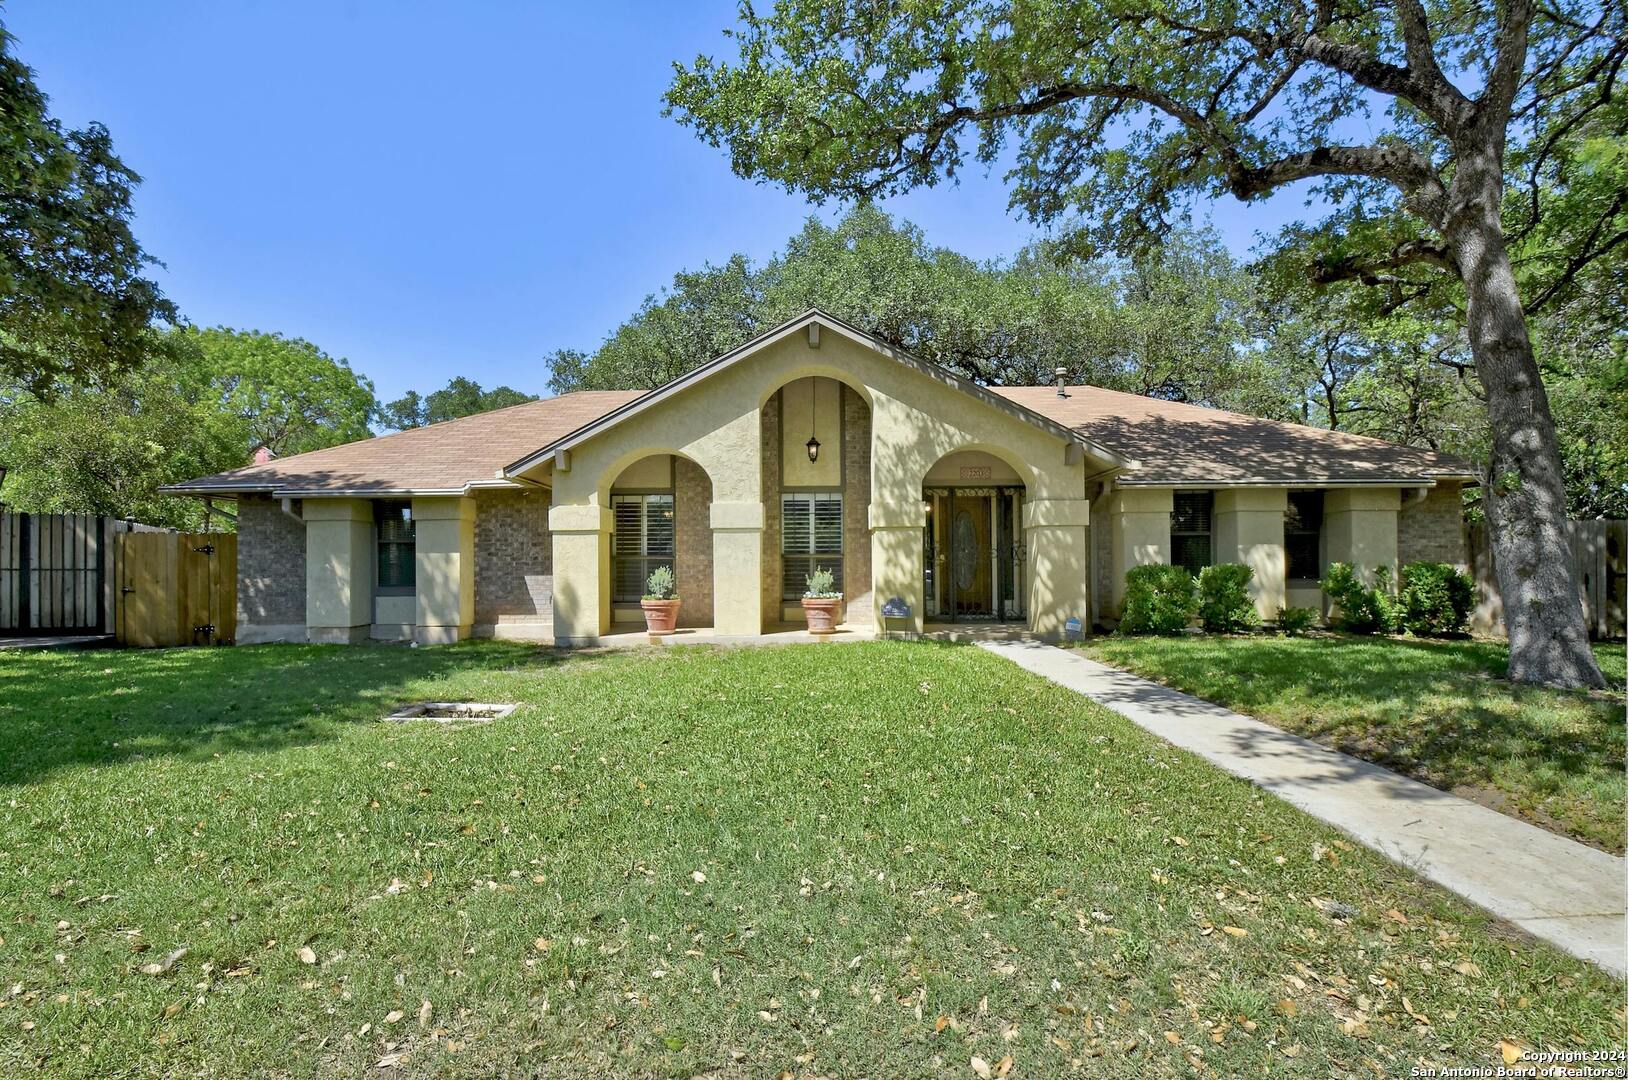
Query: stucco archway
{"type": "Point", "coordinates": [660, 511]}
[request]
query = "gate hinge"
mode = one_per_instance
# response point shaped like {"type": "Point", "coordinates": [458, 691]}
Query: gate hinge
{"type": "Point", "coordinates": [206, 628]}
{"type": "Point", "coordinates": [207, 549]}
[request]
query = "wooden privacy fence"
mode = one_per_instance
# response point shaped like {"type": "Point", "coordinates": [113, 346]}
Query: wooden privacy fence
{"type": "Point", "coordinates": [176, 589]}
{"type": "Point", "coordinates": [55, 572]}
{"type": "Point", "coordinates": [1599, 552]}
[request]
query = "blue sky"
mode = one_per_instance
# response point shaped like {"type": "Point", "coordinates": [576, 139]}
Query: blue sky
{"type": "Point", "coordinates": [431, 190]}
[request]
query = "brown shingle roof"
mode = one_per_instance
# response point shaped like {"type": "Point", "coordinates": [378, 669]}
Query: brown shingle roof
{"type": "Point", "coordinates": [440, 457]}
{"type": "Point", "coordinates": [1170, 442]}
{"type": "Point", "coordinates": [1176, 443]}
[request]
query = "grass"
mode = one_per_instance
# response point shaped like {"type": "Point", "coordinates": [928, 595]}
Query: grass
{"type": "Point", "coordinates": [869, 859]}
{"type": "Point", "coordinates": [1439, 711]}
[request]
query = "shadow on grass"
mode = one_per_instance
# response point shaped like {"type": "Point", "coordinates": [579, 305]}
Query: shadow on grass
{"type": "Point", "coordinates": [74, 709]}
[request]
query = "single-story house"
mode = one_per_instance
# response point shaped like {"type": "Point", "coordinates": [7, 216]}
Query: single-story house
{"type": "Point", "coordinates": [931, 499]}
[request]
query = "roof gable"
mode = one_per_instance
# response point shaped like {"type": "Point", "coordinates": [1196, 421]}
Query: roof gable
{"type": "Point", "coordinates": [812, 322]}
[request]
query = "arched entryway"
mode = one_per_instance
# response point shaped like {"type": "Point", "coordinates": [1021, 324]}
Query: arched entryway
{"type": "Point", "coordinates": [661, 516]}
{"type": "Point", "coordinates": [974, 559]}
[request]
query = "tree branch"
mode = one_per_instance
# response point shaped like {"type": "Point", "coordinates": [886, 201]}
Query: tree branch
{"type": "Point", "coordinates": [1401, 165]}
{"type": "Point", "coordinates": [1509, 61]}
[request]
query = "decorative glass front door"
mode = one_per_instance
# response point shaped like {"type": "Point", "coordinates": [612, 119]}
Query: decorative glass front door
{"type": "Point", "coordinates": [973, 553]}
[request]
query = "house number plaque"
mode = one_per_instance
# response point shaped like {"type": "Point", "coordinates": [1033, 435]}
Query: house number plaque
{"type": "Point", "coordinates": [975, 472]}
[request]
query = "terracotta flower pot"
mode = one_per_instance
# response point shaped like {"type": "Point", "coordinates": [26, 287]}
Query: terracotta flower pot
{"type": "Point", "coordinates": [821, 614]}
{"type": "Point", "coordinates": [660, 616]}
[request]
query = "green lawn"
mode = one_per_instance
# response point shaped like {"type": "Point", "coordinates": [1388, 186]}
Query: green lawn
{"type": "Point", "coordinates": [875, 859]}
{"type": "Point", "coordinates": [1436, 710]}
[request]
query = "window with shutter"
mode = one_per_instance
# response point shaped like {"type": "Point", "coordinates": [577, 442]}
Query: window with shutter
{"type": "Point", "coordinates": [1190, 543]}
{"type": "Point", "coordinates": [393, 525]}
{"type": "Point", "coordinates": [810, 537]}
{"type": "Point", "coordinates": [644, 539]}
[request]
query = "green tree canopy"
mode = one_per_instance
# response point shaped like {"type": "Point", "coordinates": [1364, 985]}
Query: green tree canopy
{"type": "Point", "coordinates": [197, 403]}
{"type": "Point", "coordinates": [1173, 321]}
{"type": "Point", "coordinates": [75, 301]}
{"type": "Point", "coordinates": [459, 397]}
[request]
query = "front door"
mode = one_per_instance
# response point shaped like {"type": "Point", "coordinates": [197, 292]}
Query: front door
{"type": "Point", "coordinates": [970, 551]}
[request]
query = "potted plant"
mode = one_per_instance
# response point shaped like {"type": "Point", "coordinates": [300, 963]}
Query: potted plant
{"type": "Point", "coordinates": [820, 602]}
{"type": "Point", "coordinates": [659, 604]}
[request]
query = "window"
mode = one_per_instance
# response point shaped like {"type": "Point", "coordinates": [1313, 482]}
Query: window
{"type": "Point", "coordinates": [393, 520]}
{"type": "Point", "coordinates": [810, 536]}
{"type": "Point", "coordinates": [1302, 535]}
{"type": "Point", "coordinates": [643, 541]}
{"type": "Point", "coordinates": [1190, 529]}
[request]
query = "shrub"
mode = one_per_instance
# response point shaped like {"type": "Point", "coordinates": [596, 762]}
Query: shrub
{"type": "Point", "coordinates": [659, 585]}
{"type": "Point", "coordinates": [1224, 604]}
{"type": "Point", "coordinates": [1295, 620]}
{"type": "Point", "coordinates": [1434, 599]}
{"type": "Point", "coordinates": [1158, 600]}
{"type": "Point", "coordinates": [1360, 608]}
{"type": "Point", "coordinates": [820, 585]}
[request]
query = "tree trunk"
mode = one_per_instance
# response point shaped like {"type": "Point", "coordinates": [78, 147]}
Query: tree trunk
{"type": "Point", "coordinates": [1525, 494]}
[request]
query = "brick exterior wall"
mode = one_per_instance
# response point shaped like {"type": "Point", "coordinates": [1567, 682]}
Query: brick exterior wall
{"type": "Point", "coordinates": [692, 526]}
{"type": "Point", "coordinates": [270, 564]}
{"type": "Point", "coordinates": [514, 556]}
{"type": "Point", "coordinates": [1432, 529]}
{"type": "Point", "coordinates": [770, 452]}
{"type": "Point", "coordinates": [856, 501]}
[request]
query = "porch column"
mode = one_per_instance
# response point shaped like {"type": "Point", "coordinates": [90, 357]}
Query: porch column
{"type": "Point", "coordinates": [1249, 530]}
{"type": "Point", "coordinates": [338, 570]}
{"type": "Point", "coordinates": [1138, 535]}
{"type": "Point", "coordinates": [1359, 527]}
{"type": "Point", "coordinates": [444, 565]}
{"type": "Point", "coordinates": [896, 570]}
{"type": "Point", "coordinates": [1057, 534]}
{"type": "Point", "coordinates": [737, 568]}
{"type": "Point", "coordinates": [582, 566]}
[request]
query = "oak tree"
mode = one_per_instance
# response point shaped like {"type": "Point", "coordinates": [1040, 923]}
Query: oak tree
{"type": "Point", "coordinates": [1124, 112]}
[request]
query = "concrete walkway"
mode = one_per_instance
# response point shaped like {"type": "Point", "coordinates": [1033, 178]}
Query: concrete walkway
{"type": "Point", "coordinates": [1568, 894]}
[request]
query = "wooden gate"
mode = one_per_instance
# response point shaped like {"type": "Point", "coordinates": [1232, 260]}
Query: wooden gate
{"type": "Point", "coordinates": [176, 589]}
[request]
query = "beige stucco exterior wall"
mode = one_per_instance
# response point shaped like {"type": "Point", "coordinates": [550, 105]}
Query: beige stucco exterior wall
{"type": "Point", "coordinates": [1056, 533]}
{"type": "Point", "coordinates": [338, 570]}
{"type": "Point", "coordinates": [444, 563]}
{"type": "Point", "coordinates": [801, 401]}
{"type": "Point", "coordinates": [1138, 525]}
{"type": "Point", "coordinates": [916, 419]}
{"type": "Point", "coordinates": [1359, 527]}
{"type": "Point", "coordinates": [1248, 527]}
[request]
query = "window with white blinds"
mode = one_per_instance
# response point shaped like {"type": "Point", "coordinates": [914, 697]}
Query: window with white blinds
{"type": "Point", "coordinates": [810, 536]}
{"type": "Point", "coordinates": [643, 540]}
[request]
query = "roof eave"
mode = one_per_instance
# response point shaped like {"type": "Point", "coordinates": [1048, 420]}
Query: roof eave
{"type": "Point", "coordinates": [1431, 480]}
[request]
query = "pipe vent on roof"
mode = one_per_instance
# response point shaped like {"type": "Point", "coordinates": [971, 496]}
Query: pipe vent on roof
{"type": "Point", "coordinates": [1062, 381]}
